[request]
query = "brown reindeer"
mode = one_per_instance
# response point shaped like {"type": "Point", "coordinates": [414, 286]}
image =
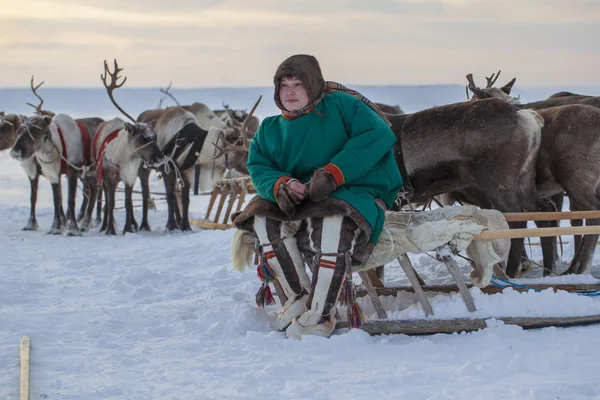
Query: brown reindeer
{"type": "Point", "coordinates": [9, 126]}
{"type": "Point", "coordinates": [389, 109]}
{"type": "Point", "coordinates": [119, 148]}
{"type": "Point", "coordinates": [568, 162]}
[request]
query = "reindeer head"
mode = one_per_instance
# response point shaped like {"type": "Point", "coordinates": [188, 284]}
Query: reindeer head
{"type": "Point", "coordinates": [143, 139]}
{"type": "Point", "coordinates": [32, 135]}
{"type": "Point", "coordinates": [490, 91]}
{"type": "Point", "coordinates": [9, 126]}
{"type": "Point", "coordinates": [141, 135]}
{"type": "Point", "coordinates": [236, 145]}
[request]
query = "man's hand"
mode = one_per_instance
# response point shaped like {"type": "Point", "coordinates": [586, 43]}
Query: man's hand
{"type": "Point", "coordinates": [290, 194]}
{"type": "Point", "coordinates": [321, 185]}
{"type": "Point", "coordinates": [298, 190]}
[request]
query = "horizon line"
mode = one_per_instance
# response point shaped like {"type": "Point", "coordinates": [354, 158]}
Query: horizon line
{"type": "Point", "coordinates": [271, 87]}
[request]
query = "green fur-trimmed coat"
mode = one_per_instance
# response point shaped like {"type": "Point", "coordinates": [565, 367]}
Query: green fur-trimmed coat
{"type": "Point", "coordinates": [341, 134]}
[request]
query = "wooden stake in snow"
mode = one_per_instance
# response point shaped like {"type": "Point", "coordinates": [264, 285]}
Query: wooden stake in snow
{"type": "Point", "coordinates": [25, 347]}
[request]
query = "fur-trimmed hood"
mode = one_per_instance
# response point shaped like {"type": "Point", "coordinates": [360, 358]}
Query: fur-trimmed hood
{"type": "Point", "coordinates": [306, 68]}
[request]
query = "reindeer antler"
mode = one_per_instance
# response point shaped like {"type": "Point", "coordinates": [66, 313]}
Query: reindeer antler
{"type": "Point", "coordinates": [169, 94]}
{"type": "Point", "coordinates": [245, 147]}
{"type": "Point", "coordinates": [491, 80]}
{"type": "Point", "coordinates": [244, 138]}
{"type": "Point", "coordinates": [38, 109]}
{"type": "Point", "coordinates": [467, 90]}
{"type": "Point", "coordinates": [229, 147]}
{"type": "Point", "coordinates": [471, 82]}
{"type": "Point", "coordinates": [113, 85]}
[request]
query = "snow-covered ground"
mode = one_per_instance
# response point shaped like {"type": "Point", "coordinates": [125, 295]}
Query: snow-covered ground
{"type": "Point", "coordinates": [156, 316]}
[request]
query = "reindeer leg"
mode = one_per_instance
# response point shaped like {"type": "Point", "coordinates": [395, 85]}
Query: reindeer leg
{"type": "Point", "coordinates": [129, 219]}
{"type": "Point", "coordinates": [109, 208]}
{"type": "Point", "coordinates": [85, 201]}
{"type": "Point", "coordinates": [178, 205]}
{"type": "Point", "coordinates": [57, 224]}
{"type": "Point", "coordinates": [170, 182]}
{"type": "Point", "coordinates": [105, 216]}
{"type": "Point", "coordinates": [185, 202]}
{"type": "Point", "coordinates": [584, 253]}
{"type": "Point", "coordinates": [548, 243]}
{"type": "Point", "coordinates": [576, 238]}
{"type": "Point", "coordinates": [90, 186]}
{"type": "Point", "coordinates": [144, 175]}
{"type": "Point", "coordinates": [582, 261]}
{"type": "Point", "coordinates": [63, 217]}
{"type": "Point", "coordinates": [72, 228]}
{"type": "Point", "coordinates": [99, 218]}
{"type": "Point", "coordinates": [517, 247]}
{"type": "Point", "coordinates": [32, 224]}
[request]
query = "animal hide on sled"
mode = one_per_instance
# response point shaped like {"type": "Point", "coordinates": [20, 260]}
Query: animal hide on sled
{"type": "Point", "coordinates": [420, 232]}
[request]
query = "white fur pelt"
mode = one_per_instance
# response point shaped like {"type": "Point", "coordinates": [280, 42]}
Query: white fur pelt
{"type": "Point", "coordinates": [418, 233]}
{"type": "Point", "coordinates": [49, 151]}
{"type": "Point", "coordinates": [209, 121]}
{"type": "Point", "coordinates": [119, 153]}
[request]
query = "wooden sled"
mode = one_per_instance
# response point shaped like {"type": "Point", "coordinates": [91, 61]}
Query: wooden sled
{"type": "Point", "coordinates": [418, 286]}
{"type": "Point", "coordinates": [235, 190]}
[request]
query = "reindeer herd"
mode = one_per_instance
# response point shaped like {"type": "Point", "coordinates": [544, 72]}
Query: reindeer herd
{"type": "Point", "coordinates": [103, 153]}
{"type": "Point", "coordinates": [486, 151]}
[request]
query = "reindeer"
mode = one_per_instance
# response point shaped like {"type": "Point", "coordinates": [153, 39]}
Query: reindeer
{"type": "Point", "coordinates": [60, 147]}
{"type": "Point", "coordinates": [181, 138]}
{"type": "Point", "coordinates": [567, 162]}
{"type": "Point", "coordinates": [118, 148]}
{"type": "Point", "coordinates": [230, 116]}
{"type": "Point", "coordinates": [389, 109]}
{"type": "Point", "coordinates": [503, 93]}
{"type": "Point", "coordinates": [9, 126]}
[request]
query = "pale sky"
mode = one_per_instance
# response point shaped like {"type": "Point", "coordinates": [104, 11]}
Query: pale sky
{"type": "Point", "coordinates": [214, 43]}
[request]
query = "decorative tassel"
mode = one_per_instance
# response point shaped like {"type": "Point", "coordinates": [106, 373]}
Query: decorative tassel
{"type": "Point", "coordinates": [264, 296]}
{"type": "Point", "coordinates": [264, 272]}
{"type": "Point", "coordinates": [355, 316]}
{"type": "Point", "coordinates": [266, 275]}
{"type": "Point", "coordinates": [348, 297]}
{"type": "Point", "coordinates": [347, 294]}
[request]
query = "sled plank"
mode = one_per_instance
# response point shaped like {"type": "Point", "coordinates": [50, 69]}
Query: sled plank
{"type": "Point", "coordinates": [550, 216]}
{"type": "Point", "coordinates": [393, 290]}
{"type": "Point", "coordinates": [460, 283]}
{"type": "Point", "coordinates": [381, 314]}
{"type": "Point", "coordinates": [416, 284]}
{"type": "Point", "coordinates": [537, 232]}
{"type": "Point", "coordinates": [429, 327]}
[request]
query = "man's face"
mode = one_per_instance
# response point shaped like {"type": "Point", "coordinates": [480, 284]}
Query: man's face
{"type": "Point", "coordinates": [292, 93]}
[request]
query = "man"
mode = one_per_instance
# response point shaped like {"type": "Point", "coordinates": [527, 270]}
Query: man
{"type": "Point", "coordinates": [325, 173]}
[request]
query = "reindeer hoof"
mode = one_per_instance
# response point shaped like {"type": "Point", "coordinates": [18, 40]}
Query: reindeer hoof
{"type": "Point", "coordinates": [171, 226]}
{"type": "Point", "coordinates": [145, 227]}
{"type": "Point", "coordinates": [74, 232]}
{"type": "Point", "coordinates": [129, 229]}
{"type": "Point", "coordinates": [55, 230]}
{"type": "Point", "coordinates": [31, 226]}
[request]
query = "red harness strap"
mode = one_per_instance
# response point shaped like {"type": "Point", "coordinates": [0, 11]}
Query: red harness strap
{"type": "Point", "coordinates": [63, 163]}
{"type": "Point", "coordinates": [85, 140]}
{"type": "Point", "coordinates": [100, 154]}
